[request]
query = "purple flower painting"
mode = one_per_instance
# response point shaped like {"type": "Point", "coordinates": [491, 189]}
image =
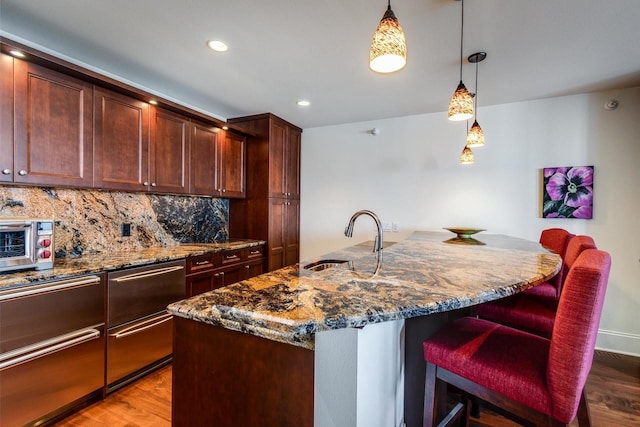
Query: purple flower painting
{"type": "Point", "coordinates": [568, 192]}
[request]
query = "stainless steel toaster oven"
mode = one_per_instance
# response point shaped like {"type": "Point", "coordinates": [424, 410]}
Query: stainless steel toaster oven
{"type": "Point", "coordinates": [26, 243]}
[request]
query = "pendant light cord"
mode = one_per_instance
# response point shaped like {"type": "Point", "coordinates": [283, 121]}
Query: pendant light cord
{"type": "Point", "coordinates": [461, 36]}
{"type": "Point", "coordinates": [475, 97]}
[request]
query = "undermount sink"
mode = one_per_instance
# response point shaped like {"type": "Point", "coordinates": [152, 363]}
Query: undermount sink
{"type": "Point", "coordinates": [324, 264]}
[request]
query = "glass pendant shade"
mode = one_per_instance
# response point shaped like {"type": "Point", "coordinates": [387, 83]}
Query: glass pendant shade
{"type": "Point", "coordinates": [388, 48]}
{"type": "Point", "coordinates": [461, 104]}
{"type": "Point", "coordinates": [475, 136]}
{"type": "Point", "coordinates": [466, 158]}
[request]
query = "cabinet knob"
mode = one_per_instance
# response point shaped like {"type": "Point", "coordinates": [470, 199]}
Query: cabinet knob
{"type": "Point", "coordinates": [224, 191]}
{"type": "Point", "coordinates": [153, 184]}
{"type": "Point", "coordinates": [146, 184]}
{"type": "Point", "coordinates": [6, 171]}
{"type": "Point", "coordinates": [22, 172]}
{"type": "Point", "coordinates": [247, 267]}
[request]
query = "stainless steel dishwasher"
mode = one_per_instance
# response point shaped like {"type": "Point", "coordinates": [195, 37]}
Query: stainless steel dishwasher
{"type": "Point", "coordinates": [51, 348]}
{"type": "Point", "coordinates": [140, 331]}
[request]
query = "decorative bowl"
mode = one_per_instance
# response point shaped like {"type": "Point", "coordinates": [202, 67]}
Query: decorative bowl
{"type": "Point", "coordinates": [463, 235]}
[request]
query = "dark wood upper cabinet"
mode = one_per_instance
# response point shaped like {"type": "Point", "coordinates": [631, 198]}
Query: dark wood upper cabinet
{"type": "Point", "coordinates": [169, 152]}
{"type": "Point", "coordinates": [62, 125]}
{"type": "Point", "coordinates": [121, 150]}
{"type": "Point", "coordinates": [284, 160]}
{"type": "Point", "coordinates": [231, 166]}
{"type": "Point", "coordinates": [53, 127]}
{"type": "Point", "coordinates": [6, 118]}
{"type": "Point", "coordinates": [292, 163]}
{"type": "Point", "coordinates": [204, 153]}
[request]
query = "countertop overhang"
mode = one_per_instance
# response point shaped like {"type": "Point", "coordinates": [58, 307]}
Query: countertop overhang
{"type": "Point", "coordinates": [415, 277]}
{"type": "Point", "coordinates": [102, 262]}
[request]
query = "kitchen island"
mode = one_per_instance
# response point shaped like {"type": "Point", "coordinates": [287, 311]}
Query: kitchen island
{"type": "Point", "coordinates": [274, 350]}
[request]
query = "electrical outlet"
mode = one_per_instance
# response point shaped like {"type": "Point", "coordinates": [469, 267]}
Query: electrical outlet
{"type": "Point", "coordinates": [386, 226]}
{"type": "Point", "coordinates": [126, 229]}
{"type": "Point", "coordinates": [395, 227]}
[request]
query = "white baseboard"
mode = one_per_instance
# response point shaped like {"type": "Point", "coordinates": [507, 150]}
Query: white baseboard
{"type": "Point", "coordinates": [618, 342]}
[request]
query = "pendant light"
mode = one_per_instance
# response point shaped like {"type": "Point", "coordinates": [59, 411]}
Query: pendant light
{"type": "Point", "coordinates": [475, 137]}
{"type": "Point", "coordinates": [388, 51]}
{"type": "Point", "coordinates": [466, 158]}
{"type": "Point", "coordinates": [461, 104]}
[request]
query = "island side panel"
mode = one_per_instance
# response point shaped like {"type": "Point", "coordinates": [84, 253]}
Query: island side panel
{"type": "Point", "coordinates": [228, 378]}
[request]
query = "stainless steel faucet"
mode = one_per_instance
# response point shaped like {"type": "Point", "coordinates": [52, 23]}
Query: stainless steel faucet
{"type": "Point", "coordinates": [348, 231]}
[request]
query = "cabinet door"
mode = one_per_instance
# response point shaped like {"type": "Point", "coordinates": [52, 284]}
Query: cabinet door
{"type": "Point", "coordinates": [292, 231]}
{"type": "Point", "coordinates": [231, 167]}
{"type": "Point", "coordinates": [53, 128]}
{"type": "Point", "coordinates": [231, 275]}
{"type": "Point", "coordinates": [276, 238]}
{"type": "Point", "coordinates": [253, 269]}
{"type": "Point", "coordinates": [277, 159]}
{"type": "Point", "coordinates": [204, 153]}
{"type": "Point", "coordinates": [121, 142]}
{"type": "Point", "coordinates": [292, 166]}
{"type": "Point", "coordinates": [200, 283]}
{"type": "Point", "coordinates": [169, 155]}
{"type": "Point", "coordinates": [6, 118]}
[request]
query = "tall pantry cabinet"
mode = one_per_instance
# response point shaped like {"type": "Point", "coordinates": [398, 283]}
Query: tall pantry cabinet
{"type": "Point", "coordinates": [271, 209]}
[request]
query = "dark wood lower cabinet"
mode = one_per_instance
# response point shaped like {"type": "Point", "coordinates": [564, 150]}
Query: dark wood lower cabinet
{"type": "Point", "coordinates": [227, 378]}
{"type": "Point", "coordinates": [212, 271]}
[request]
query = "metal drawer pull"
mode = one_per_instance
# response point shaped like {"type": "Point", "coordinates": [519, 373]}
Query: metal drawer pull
{"type": "Point", "coordinates": [147, 325]}
{"type": "Point", "coordinates": [231, 256]}
{"type": "Point", "coordinates": [88, 280]}
{"type": "Point", "coordinates": [149, 273]}
{"type": "Point", "coordinates": [202, 262]}
{"type": "Point", "coordinates": [254, 252]}
{"type": "Point", "coordinates": [27, 353]}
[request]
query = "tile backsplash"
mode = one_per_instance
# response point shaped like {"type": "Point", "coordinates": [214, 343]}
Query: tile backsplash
{"type": "Point", "coordinates": [90, 221]}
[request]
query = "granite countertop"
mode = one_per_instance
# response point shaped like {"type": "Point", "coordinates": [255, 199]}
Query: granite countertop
{"type": "Point", "coordinates": [68, 267]}
{"type": "Point", "coordinates": [417, 276]}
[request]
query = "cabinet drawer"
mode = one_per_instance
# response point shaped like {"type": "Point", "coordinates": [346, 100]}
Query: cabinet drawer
{"type": "Point", "coordinates": [198, 263]}
{"type": "Point", "coordinates": [254, 252]}
{"type": "Point", "coordinates": [231, 257]}
{"type": "Point", "coordinates": [137, 345]}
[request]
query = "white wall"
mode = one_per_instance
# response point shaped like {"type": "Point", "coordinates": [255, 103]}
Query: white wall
{"type": "Point", "coordinates": [410, 174]}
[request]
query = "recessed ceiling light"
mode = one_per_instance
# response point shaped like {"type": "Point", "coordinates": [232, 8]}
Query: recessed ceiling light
{"type": "Point", "coordinates": [218, 46]}
{"type": "Point", "coordinates": [17, 53]}
{"type": "Point", "coordinates": [303, 103]}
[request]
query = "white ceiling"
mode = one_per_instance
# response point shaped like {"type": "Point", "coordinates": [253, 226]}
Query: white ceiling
{"type": "Point", "coordinates": [285, 50]}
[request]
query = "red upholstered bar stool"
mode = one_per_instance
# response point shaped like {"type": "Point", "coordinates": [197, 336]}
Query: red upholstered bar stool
{"type": "Point", "coordinates": [528, 378]}
{"type": "Point", "coordinates": [556, 240]}
{"type": "Point", "coordinates": [530, 312]}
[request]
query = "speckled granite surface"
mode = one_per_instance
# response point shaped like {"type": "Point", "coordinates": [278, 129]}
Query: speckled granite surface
{"type": "Point", "coordinates": [88, 221]}
{"type": "Point", "coordinates": [67, 267]}
{"type": "Point", "coordinates": [417, 276]}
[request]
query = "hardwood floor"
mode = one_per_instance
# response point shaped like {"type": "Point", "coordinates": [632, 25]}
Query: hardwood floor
{"type": "Point", "coordinates": [613, 391]}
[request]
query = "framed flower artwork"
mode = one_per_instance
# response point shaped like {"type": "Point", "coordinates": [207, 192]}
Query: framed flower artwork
{"type": "Point", "coordinates": [568, 192]}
